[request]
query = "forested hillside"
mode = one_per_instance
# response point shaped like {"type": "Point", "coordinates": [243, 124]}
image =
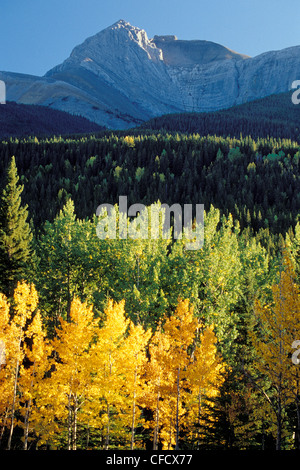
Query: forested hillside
{"type": "Point", "coordinates": [256, 180]}
{"type": "Point", "coordinates": [21, 120]}
{"type": "Point", "coordinates": [275, 116]}
{"type": "Point", "coordinates": [141, 343]}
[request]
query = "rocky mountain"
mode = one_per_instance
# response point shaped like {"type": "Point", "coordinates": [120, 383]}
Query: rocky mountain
{"type": "Point", "coordinates": [120, 78]}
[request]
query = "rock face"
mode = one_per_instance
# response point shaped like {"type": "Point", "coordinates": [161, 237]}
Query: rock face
{"type": "Point", "coordinates": [120, 78]}
{"type": "Point", "coordinates": [178, 53]}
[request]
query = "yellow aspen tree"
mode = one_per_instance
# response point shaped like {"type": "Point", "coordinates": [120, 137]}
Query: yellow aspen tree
{"type": "Point", "coordinates": [67, 389]}
{"type": "Point", "coordinates": [6, 378]}
{"type": "Point", "coordinates": [36, 350]}
{"type": "Point", "coordinates": [25, 302]}
{"type": "Point", "coordinates": [158, 378]}
{"type": "Point", "coordinates": [134, 350]}
{"type": "Point", "coordinates": [109, 360]}
{"type": "Point", "coordinates": [278, 326]}
{"type": "Point", "coordinates": [205, 377]}
{"type": "Point", "coordinates": [167, 374]}
{"type": "Point", "coordinates": [181, 329]}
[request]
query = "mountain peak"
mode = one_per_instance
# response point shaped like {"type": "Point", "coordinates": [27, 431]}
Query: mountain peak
{"type": "Point", "coordinates": [121, 23]}
{"type": "Point", "coordinates": [120, 77]}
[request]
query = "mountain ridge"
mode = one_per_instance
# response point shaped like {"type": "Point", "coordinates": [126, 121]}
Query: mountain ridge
{"type": "Point", "coordinates": [119, 78]}
{"type": "Point", "coordinates": [274, 115]}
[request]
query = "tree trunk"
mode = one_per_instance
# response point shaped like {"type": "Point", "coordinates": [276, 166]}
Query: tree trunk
{"type": "Point", "coordinates": [155, 436]}
{"type": "Point", "coordinates": [13, 407]}
{"type": "Point", "coordinates": [68, 296]}
{"type": "Point", "coordinates": [133, 410]}
{"type": "Point", "coordinates": [107, 429]}
{"type": "Point", "coordinates": [297, 431]}
{"type": "Point", "coordinates": [28, 407]}
{"type": "Point", "coordinates": [74, 426]}
{"type": "Point", "coordinates": [69, 422]}
{"type": "Point", "coordinates": [26, 424]}
{"type": "Point", "coordinates": [199, 417]}
{"type": "Point", "coordinates": [279, 424]}
{"type": "Point", "coordinates": [87, 436]}
{"type": "Point", "coordinates": [177, 409]}
{"type": "Point", "coordinates": [14, 396]}
{"type": "Point", "coordinates": [4, 424]}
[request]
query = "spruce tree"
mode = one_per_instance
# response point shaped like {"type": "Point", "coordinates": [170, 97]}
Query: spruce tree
{"type": "Point", "coordinates": [15, 234]}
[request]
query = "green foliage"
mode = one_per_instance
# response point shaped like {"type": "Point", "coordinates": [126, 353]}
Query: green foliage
{"type": "Point", "coordinates": [273, 115]}
{"type": "Point", "coordinates": [236, 175]}
{"type": "Point", "coordinates": [234, 154]}
{"type": "Point", "coordinates": [15, 234]}
{"type": "Point", "coordinates": [250, 191]}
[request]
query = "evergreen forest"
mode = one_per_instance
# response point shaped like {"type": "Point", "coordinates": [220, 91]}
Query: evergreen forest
{"type": "Point", "coordinates": [134, 343]}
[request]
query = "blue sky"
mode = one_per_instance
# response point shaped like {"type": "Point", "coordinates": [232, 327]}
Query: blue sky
{"type": "Point", "coordinates": [36, 35]}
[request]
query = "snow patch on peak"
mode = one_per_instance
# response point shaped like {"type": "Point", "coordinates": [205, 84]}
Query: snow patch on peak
{"type": "Point", "coordinates": [138, 37]}
{"type": "Point", "coordinates": [120, 23]}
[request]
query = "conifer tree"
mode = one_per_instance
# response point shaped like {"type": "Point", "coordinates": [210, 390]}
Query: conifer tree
{"type": "Point", "coordinates": [15, 233]}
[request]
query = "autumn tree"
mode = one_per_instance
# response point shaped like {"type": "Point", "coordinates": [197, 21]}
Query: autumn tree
{"type": "Point", "coordinates": [13, 338]}
{"type": "Point", "coordinates": [180, 328]}
{"type": "Point", "coordinates": [135, 357]}
{"type": "Point", "coordinates": [205, 377]}
{"type": "Point", "coordinates": [211, 277]}
{"type": "Point", "coordinates": [6, 353]}
{"type": "Point", "coordinates": [184, 370]}
{"type": "Point", "coordinates": [158, 378]}
{"type": "Point", "coordinates": [277, 329]}
{"type": "Point", "coordinates": [109, 359]}
{"type": "Point", "coordinates": [32, 373]}
{"type": "Point", "coordinates": [65, 393]}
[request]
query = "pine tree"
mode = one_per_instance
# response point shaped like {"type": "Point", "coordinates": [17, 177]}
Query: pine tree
{"type": "Point", "coordinates": [15, 233]}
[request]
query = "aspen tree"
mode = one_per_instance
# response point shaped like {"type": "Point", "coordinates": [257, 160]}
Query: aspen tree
{"type": "Point", "coordinates": [32, 375]}
{"type": "Point", "coordinates": [204, 379]}
{"type": "Point", "coordinates": [109, 360]}
{"type": "Point", "coordinates": [6, 377]}
{"type": "Point", "coordinates": [166, 374]}
{"type": "Point", "coordinates": [24, 305]}
{"type": "Point", "coordinates": [68, 387]}
{"type": "Point", "coordinates": [181, 329]}
{"type": "Point", "coordinates": [134, 364]}
{"type": "Point", "coordinates": [277, 328]}
{"type": "Point", "coordinates": [158, 377]}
